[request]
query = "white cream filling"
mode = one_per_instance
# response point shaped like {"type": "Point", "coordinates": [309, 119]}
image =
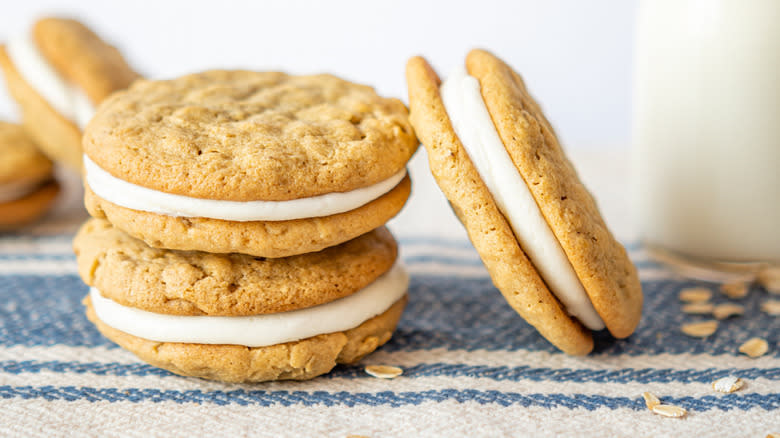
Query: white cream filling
{"type": "Point", "coordinates": [67, 99]}
{"type": "Point", "coordinates": [260, 330]}
{"type": "Point", "coordinates": [474, 127]}
{"type": "Point", "coordinates": [12, 191]}
{"type": "Point", "coordinates": [135, 197]}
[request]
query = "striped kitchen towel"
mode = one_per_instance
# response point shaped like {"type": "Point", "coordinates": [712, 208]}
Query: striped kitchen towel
{"type": "Point", "coordinates": [471, 365]}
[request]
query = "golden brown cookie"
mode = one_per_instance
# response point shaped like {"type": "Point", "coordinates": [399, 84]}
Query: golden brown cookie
{"type": "Point", "coordinates": [82, 57]}
{"type": "Point", "coordinates": [601, 264]}
{"type": "Point", "coordinates": [29, 208]}
{"type": "Point", "coordinates": [297, 360]}
{"type": "Point", "coordinates": [129, 272]}
{"type": "Point", "coordinates": [27, 187]}
{"type": "Point", "coordinates": [257, 238]}
{"type": "Point", "coordinates": [21, 161]}
{"type": "Point", "coordinates": [249, 136]}
{"type": "Point", "coordinates": [83, 60]}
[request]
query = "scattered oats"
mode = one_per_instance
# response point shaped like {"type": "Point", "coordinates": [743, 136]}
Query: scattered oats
{"type": "Point", "coordinates": [700, 329]}
{"type": "Point", "coordinates": [726, 310]}
{"type": "Point", "coordinates": [736, 290]}
{"type": "Point", "coordinates": [384, 371]}
{"type": "Point", "coordinates": [651, 400]}
{"type": "Point", "coordinates": [356, 436]}
{"type": "Point", "coordinates": [769, 278]}
{"type": "Point", "coordinates": [771, 307]}
{"type": "Point", "coordinates": [695, 295]}
{"type": "Point", "coordinates": [698, 308]}
{"type": "Point", "coordinates": [727, 384]}
{"type": "Point", "coordinates": [669, 411]}
{"type": "Point", "coordinates": [754, 347]}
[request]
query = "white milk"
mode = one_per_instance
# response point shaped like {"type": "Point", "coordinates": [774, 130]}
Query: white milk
{"type": "Point", "coordinates": [707, 127]}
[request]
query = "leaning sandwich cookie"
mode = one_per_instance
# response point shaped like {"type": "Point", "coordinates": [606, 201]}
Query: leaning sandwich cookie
{"type": "Point", "coordinates": [535, 226]}
{"type": "Point", "coordinates": [238, 318]}
{"type": "Point", "coordinates": [27, 186]}
{"type": "Point", "coordinates": [266, 164]}
{"type": "Point", "coordinates": [58, 73]}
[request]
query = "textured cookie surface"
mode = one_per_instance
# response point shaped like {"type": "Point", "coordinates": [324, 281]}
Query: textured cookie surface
{"type": "Point", "coordinates": [133, 274]}
{"type": "Point", "coordinates": [509, 267]}
{"type": "Point", "coordinates": [241, 136]}
{"type": "Point", "coordinates": [22, 211]}
{"type": "Point", "coordinates": [81, 57]}
{"type": "Point", "coordinates": [298, 360]}
{"type": "Point", "coordinates": [601, 263]}
{"type": "Point", "coordinates": [259, 238]}
{"type": "Point", "coordinates": [21, 160]}
{"type": "Point", "coordinates": [58, 137]}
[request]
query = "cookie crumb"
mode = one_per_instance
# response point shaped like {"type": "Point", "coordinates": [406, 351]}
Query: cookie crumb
{"type": "Point", "coordinates": [700, 329]}
{"type": "Point", "coordinates": [650, 400]}
{"type": "Point", "coordinates": [695, 295]}
{"type": "Point", "coordinates": [754, 347]}
{"type": "Point", "coordinates": [669, 411]}
{"type": "Point", "coordinates": [771, 307]}
{"type": "Point", "coordinates": [726, 310]}
{"type": "Point", "coordinates": [727, 384]}
{"type": "Point", "coordinates": [698, 308]}
{"type": "Point", "coordinates": [735, 290]}
{"type": "Point", "coordinates": [384, 371]}
{"type": "Point", "coordinates": [769, 278]}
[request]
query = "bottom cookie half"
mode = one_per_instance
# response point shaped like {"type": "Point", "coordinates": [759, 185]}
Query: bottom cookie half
{"type": "Point", "coordinates": [299, 360]}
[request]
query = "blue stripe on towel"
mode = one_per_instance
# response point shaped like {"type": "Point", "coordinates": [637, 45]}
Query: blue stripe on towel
{"type": "Point", "coordinates": [497, 373]}
{"type": "Point", "coordinates": [385, 398]}
{"type": "Point", "coordinates": [443, 312]}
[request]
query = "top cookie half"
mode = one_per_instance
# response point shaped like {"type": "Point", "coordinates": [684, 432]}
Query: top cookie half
{"type": "Point", "coordinates": [82, 57]}
{"type": "Point", "coordinates": [245, 136]}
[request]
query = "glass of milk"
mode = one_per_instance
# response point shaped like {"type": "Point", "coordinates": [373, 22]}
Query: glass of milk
{"type": "Point", "coordinates": [707, 132]}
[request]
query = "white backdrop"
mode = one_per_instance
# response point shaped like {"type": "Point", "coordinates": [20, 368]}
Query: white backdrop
{"type": "Point", "coordinates": [574, 55]}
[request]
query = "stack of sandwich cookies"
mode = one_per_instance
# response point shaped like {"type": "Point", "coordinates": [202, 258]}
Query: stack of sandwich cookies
{"type": "Point", "coordinates": [58, 73]}
{"type": "Point", "coordinates": [239, 223]}
{"type": "Point", "coordinates": [265, 164]}
{"type": "Point", "coordinates": [535, 226]}
{"type": "Point", "coordinates": [27, 186]}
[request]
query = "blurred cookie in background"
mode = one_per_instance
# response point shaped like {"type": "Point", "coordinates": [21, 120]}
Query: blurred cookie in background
{"type": "Point", "coordinates": [58, 73]}
{"type": "Point", "coordinates": [27, 186]}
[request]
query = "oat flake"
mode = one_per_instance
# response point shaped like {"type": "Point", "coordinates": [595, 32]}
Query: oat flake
{"type": "Point", "coordinates": [727, 384]}
{"type": "Point", "coordinates": [650, 400]}
{"type": "Point", "coordinates": [384, 371]}
{"type": "Point", "coordinates": [669, 411]}
{"type": "Point", "coordinates": [754, 347]}
{"type": "Point", "coordinates": [726, 310]}
{"type": "Point", "coordinates": [700, 329]}
{"type": "Point", "coordinates": [735, 290]}
{"type": "Point", "coordinates": [695, 295]}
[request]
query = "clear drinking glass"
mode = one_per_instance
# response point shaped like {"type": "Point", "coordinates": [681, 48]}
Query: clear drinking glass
{"type": "Point", "coordinates": [707, 133]}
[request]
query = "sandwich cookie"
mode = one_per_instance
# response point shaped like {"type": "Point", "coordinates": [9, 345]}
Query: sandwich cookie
{"type": "Point", "coordinates": [266, 164]}
{"type": "Point", "coordinates": [57, 74]}
{"type": "Point", "coordinates": [239, 318]}
{"type": "Point", "coordinates": [27, 186]}
{"type": "Point", "coordinates": [536, 227]}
